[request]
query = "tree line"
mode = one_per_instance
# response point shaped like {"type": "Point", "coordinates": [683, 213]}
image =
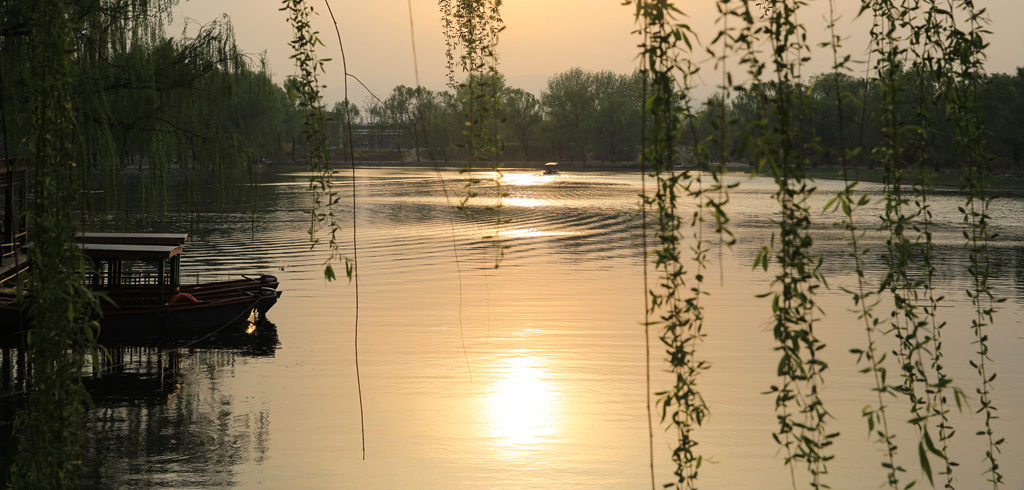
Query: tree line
{"type": "Point", "coordinates": [596, 116]}
{"type": "Point", "coordinates": [1000, 99]}
{"type": "Point", "coordinates": [582, 116]}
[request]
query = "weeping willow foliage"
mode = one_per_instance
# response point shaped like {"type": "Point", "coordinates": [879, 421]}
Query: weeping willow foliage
{"type": "Point", "coordinates": [782, 153]}
{"type": "Point", "coordinates": [865, 299]}
{"type": "Point", "coordinates": [52, 428]}
{"type": "Point", "coordinates": [150, 107]}
{"type": "Point", "coordinates": [963, 58]}
{"type": "Point", "coordinates": [96, 98]}
{"type": "Point", "coordinates": [903, 144]}
{"type": "Point", "coordinates": [927, 55]}
{"type": "Point", "coordinates": [670, 137]}
{"type": "Point", "coordinates": [926, 59]}
{"type": "Point", "coordinates": [471, 29]}
{"type": "Point", "coordinates": [305, 88]}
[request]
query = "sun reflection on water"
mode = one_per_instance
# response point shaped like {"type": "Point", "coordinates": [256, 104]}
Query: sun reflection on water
{"type": "Point", "coordinates": [527, 178]}
{"type": "Point", "coordinates": [521, 407]}
{"type": "Point", "coordinates": [523, 202]}
{"type": "Point", "coordinates": [531, 233]}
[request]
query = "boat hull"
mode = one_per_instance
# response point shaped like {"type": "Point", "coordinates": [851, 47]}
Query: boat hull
{"type": "Point", "coordinates": [208, 313]}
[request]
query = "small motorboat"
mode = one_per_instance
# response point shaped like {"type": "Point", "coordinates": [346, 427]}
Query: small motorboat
{"type": "Point", "coordinates": [551, 168]}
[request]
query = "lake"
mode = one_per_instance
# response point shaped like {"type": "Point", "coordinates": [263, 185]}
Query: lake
{"type": "Point", "coordinates": [528, 375]}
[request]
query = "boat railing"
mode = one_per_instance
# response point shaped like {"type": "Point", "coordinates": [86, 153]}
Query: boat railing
{"type": "Point", "coordinates": [12, 260]}
{"type": "Point", "coordinates": [140, 280]}
{"type": "Point", "coordinates": [10, 249]}
{"type": "Point", "coordinates": [134, 280]}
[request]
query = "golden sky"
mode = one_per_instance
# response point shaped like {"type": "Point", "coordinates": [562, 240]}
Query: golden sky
{"type": "Point", "coordinates": [541, 38]}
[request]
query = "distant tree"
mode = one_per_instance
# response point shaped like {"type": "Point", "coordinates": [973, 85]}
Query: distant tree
{"type": "Point", "coordinates": [406, 108]}
{"type": "Point", "coordinates": [343, 115]}
{"type": "Point", "coordinates": [1003, 106]}
{"type": "Point", "coordinates": [522, 114]}
{"type": "Point", "coordinates": [158, 104]}
{"type": "Point", "coordinates": [709, 120]}
{"type": "Point", "coordinates": [569, 103]}
{"type": "Point", "coordinates": [614, 128]}
{"type": "Point", "coordinates": [441, 123]}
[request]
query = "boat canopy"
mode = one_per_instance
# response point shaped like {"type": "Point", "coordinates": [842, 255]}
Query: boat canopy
{"type": "Point", "coordinates": [134, 238]}
{"type": "Point", "coordinates": [142, 261]}
{"type": "Point", "coordinates": [108, 251]}
{"type": "Point", "coordinates": [117, 266]}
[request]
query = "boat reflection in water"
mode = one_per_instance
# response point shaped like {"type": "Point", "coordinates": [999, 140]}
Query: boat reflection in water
{"type": "Point", "coordinates": [158, 337]}
{"type": "Point", "coordinates": [151, 405]}
{"type": "Point", "coordinates": [157, 407]}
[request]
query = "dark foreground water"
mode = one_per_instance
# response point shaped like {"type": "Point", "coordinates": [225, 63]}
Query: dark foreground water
{"type": "Point", "coordinates": [531, 375]}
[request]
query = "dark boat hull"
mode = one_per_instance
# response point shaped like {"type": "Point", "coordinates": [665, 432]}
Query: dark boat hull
{"type": "Point", "coordinates": [247, 283]}
{"type": "Point", "coordinates": [209, 313]}
{"type": "Point", "coordinates": [204, 315]}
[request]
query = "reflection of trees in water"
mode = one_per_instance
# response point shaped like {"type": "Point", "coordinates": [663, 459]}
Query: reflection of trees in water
{"type": "Point", "coordinates": [13, 373]}
{"type": "Point", "coordinates": [1018, 261]}
{"type": "Point", "coordinates": [158, 408]}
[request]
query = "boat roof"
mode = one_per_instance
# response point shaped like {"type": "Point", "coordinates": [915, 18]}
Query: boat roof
{"type": "Point", "coordinates": [551, 164]}
{"type": "Point", "coordinates": [170, 239]}
{"type": "Point", "coordinates": [130, 252]}
{"type": "Point", "coordinates": [125, 251]}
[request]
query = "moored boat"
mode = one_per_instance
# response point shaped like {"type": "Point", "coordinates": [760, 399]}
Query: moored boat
{"type": "Point", "coordinates": [139, 276]}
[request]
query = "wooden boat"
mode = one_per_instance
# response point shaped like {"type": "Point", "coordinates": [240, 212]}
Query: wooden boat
{"type": "Point", "coordinates": [246, 282]}
{"type": "Point", "coordinates": [551, 168]}
{"type": "Point", "coordinates": [139, 276]}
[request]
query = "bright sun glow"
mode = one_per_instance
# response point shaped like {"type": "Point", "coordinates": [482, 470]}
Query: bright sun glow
{"type": "Point", "coordinates": [523, 179]}
{"type": "Point", "coordinates": [522, 402]}
{"type": "Point", "coordinates": [523, 202]}
{"type": "Point", "coordinates": [530, 233]}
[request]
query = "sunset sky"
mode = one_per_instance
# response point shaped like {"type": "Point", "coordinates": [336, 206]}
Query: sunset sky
{"type": "Point", "coordinates": [541, 38]}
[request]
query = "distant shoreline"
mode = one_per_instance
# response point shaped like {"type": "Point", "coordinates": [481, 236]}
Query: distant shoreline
{"type": "Point", "coordinates": [1000, 180]}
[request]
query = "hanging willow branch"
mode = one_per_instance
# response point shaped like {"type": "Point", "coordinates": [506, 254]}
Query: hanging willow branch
{"type": "Point", "coordinates": [471, 29]}
{"type": "Point", "coordinates": [965, 52]}
{"type": "Point", "coordinates": [927, 39]}
{"type": "Point", "coordinates": [52, 430]}
{"type": "Point", "coordinates": [306, 90]}
{"type": "Point", "coordinates": [802, 415]}
{"type": "Point", "coordinates": [676, 302]}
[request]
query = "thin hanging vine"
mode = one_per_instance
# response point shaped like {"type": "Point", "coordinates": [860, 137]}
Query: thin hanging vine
{"type": "Point", "coordinates": [52, 429]}
{"type": "Point", "coordinates": [676, 301]}
{"type": "Point", "coordinates": [865, 298]}
{"type": "Point", "coordinates": [927, 44]}
{"type": "Point", "coordinates": [965, 51]}
{"type": "Point", "coordinates": [306, 90]}
{"type": "Point", "coordinates": [888, 45]}
{"type": "Point", "coordinates": [471, 29]}
{"type": "Point", "coordinates": [801, 413]}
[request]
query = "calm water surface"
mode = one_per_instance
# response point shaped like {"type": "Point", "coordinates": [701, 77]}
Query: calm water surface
{"type": "Point", "coordinates": [531, 375]}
